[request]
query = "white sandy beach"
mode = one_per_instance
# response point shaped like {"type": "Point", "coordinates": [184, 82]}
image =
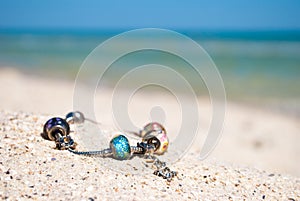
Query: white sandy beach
{"type": "Point", "coordinates": [257, 157]}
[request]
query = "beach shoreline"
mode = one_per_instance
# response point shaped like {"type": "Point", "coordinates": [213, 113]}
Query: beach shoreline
{"type": "Point", "coordinates": [283, 106]}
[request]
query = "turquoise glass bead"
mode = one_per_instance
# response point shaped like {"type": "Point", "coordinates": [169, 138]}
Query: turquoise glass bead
{"type": "Point", "coordinates": [120, 147]}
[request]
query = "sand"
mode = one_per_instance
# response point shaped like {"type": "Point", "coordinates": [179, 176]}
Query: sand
{"type": "Point", "coordinates": [256, 158]}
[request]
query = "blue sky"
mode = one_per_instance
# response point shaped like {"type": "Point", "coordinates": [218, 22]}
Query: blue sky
{"type": "Point", "coordinates": [73, 14]}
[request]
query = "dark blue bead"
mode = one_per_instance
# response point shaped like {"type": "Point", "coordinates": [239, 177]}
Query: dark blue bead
{"type": "Point", "coordinates": [56, 125]}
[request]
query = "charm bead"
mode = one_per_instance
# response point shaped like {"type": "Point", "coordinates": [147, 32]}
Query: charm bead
{"type": "Point", "coordinates": [75, 117]}
{"type": "Point", "coordinates": [120, 147]}
{"type": "Point", "coordinates": [157, 130]}
{"type": "Point", "coordinates": [55, 126]}
{"type": "Point", "coordinates": [164, 143]}
{"type": "Point", "coordinates": [153, 126]}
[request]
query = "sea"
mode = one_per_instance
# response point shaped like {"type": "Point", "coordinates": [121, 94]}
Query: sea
{"type": "Point", "coordinates": [259, 68]}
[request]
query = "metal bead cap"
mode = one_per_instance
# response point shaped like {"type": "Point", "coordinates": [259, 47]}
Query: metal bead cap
{"type": "Point", "coordinates": [75, 117]}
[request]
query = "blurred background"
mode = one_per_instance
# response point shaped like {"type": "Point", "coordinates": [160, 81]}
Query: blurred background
{"type": "Point", "coordinates": [255, 45]}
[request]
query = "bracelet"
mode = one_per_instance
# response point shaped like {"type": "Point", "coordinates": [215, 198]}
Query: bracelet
{"type": "Point", "coordinates": [154, 141]}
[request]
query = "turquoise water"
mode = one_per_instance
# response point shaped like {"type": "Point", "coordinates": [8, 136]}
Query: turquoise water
{"type": "Point", "coordinates": [257, 67]}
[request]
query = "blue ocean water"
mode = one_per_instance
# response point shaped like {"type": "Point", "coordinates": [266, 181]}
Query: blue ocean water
{"type": "Point", "coordinates": [256, 66]}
